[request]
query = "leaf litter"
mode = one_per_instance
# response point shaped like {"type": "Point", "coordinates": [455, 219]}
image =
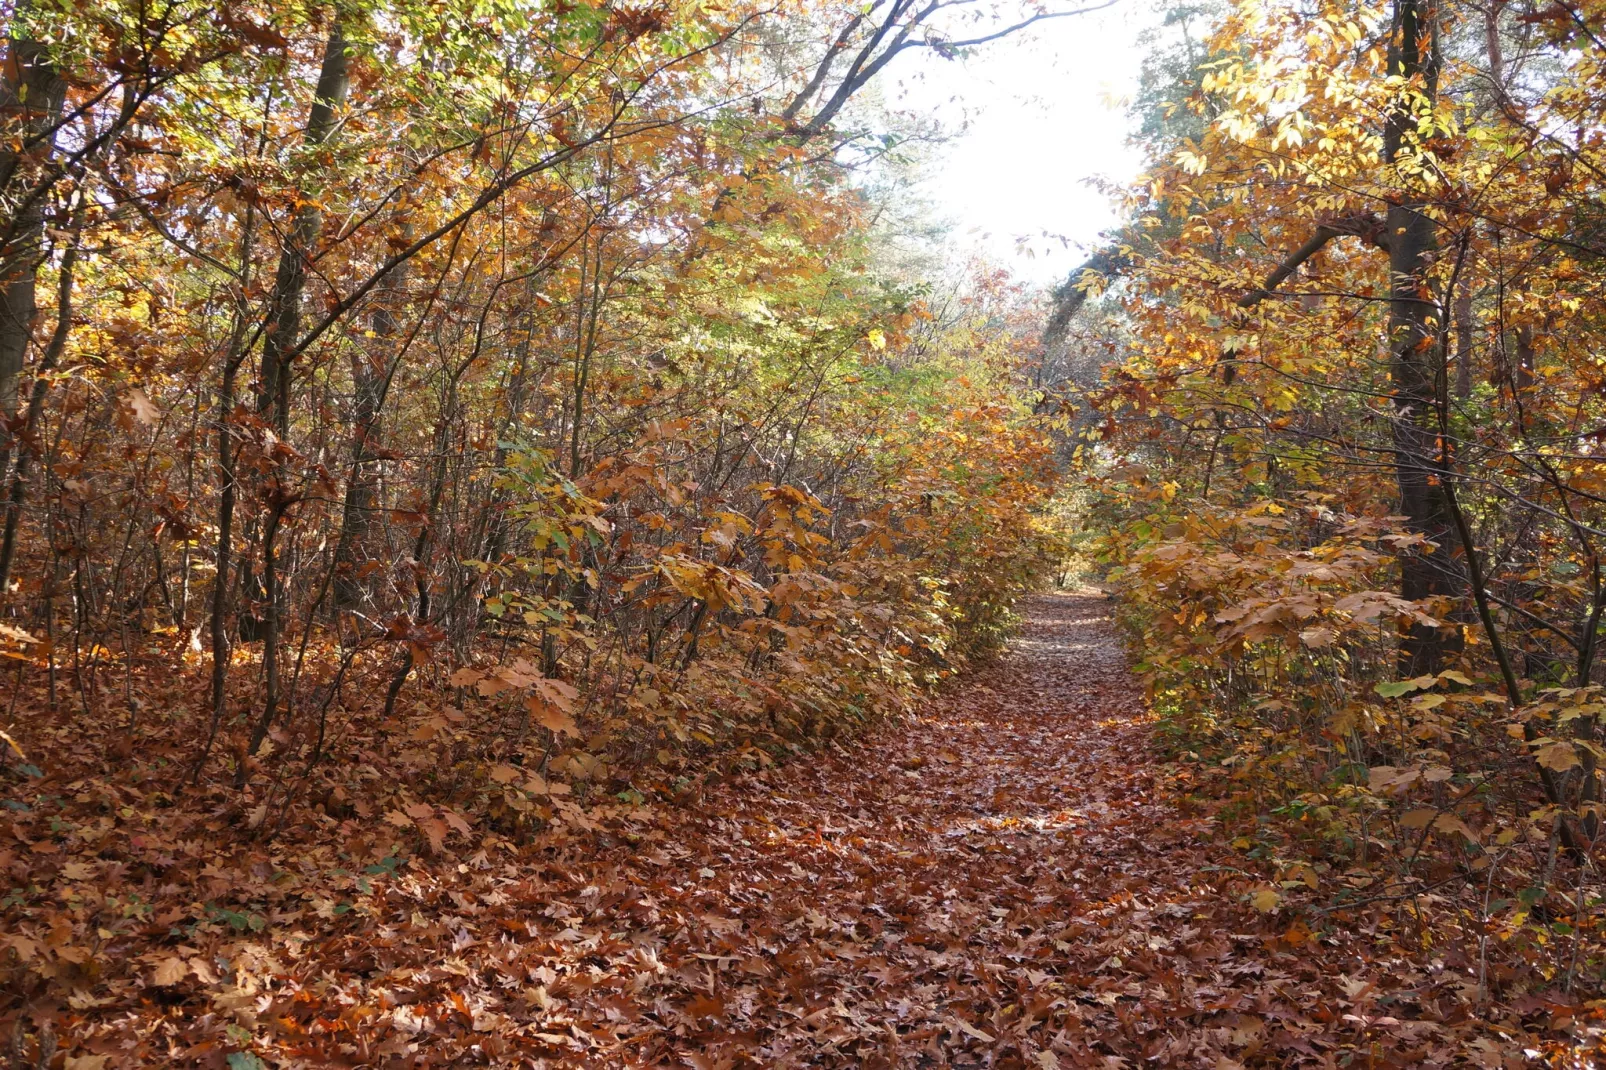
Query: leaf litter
{"type": "Point", "coordinates": [1007, 878]}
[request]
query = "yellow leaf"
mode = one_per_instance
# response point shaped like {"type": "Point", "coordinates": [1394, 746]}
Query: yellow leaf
{"type": "Point", "coordinates": [1265, 900]}
{"type": "Point", "coordinates": [1558, 756]}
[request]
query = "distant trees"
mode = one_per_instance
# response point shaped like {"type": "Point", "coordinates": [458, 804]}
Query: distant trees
{"type": "Point", "coordinates": [383, 338]}
{"type": "Point", "coordinates": [1354, 437]}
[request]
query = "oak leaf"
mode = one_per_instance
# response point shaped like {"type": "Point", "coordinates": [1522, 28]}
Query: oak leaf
{"type": "Point", "coordinates": [141, 408]}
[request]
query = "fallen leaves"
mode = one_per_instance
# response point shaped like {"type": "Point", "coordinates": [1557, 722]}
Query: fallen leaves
{"type": "Point", "coordinates": [1265, 900]}
{"type": "Point", "coordinates": [1026, 890]}
{"type": "Point", "coordinates": [170, 971]}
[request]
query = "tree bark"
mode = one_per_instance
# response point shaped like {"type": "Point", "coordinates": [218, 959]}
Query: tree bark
{"type": "Point", "coordinates": [371, 372]}
{"type": "Point", "coordinates": [1463, 341]}
{"type": "Point", "coordinates": [29, 431]}
{"type": "Point", "coordinates": [32, 93]}
{"type": "Point", "coordinates": [221, 647]}
{"type": "Point", "coordinates": [284, 305]}
{"type": "Point", "coordinates": [1416, 358]}
{"type": "Point", "coordinates": [279, 339]}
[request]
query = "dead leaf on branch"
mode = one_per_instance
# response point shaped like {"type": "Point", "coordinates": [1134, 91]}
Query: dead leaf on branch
{"type": "Point", "coordinates": [552, 716]}
{"type": "Point", "coordinates": [1558, 756]}
{"type": "Point", "coordinates": [141, 408]}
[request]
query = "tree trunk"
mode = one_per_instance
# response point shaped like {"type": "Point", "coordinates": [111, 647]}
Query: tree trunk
{"type": "Point", "coordinates": [31, 96]}
{"type": "Point", "coordinates": [284, 305]}
{"type": "Point", "coordinates": [422, 574]}
{"type": "Point", "coordinates": [221, 647]}
{"type": "Point", "coordinates": [279, 339]}
{"type": "Point", "coordinates": [371, 372]}
{"type": "Point", "coordinates": [1463, 341]}
{"type": "Point", "coordinates": [28, 433]}
{"type": "Point", "coordinates": [1416, 364]}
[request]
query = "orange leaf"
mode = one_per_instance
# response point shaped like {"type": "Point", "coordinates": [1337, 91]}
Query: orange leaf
{"type": "Point", "coordinates": [551, 717]}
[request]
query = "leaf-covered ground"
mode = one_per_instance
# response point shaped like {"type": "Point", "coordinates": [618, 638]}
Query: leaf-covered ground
{"type": "Point", "coordinates": [1008, 879]}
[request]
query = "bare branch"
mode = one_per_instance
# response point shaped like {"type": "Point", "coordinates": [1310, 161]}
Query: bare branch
{"type": "Point", "coordinates": [944, 45]}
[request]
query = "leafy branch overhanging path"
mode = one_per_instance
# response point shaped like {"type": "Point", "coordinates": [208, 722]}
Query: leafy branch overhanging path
{"type": "Point", "coordinates": [1007, 879]}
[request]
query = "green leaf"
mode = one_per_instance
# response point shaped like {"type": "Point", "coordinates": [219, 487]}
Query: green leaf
{"type": "Point", "coordinates": [1396, 688]}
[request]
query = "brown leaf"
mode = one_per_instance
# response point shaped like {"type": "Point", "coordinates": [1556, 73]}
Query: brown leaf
{"type": "Point", "coordinates": [551, 717]}
{"type": "Point", "coordinates": [465, 677]}
{"type": "Point", "coordinates": [141, 408]}
{"type": "Point", "coordinates": [434, 829]}
{"type": "Point", "coordinates": [170, 971]}
{"type": "Point", "coordinates": [1558, 755]}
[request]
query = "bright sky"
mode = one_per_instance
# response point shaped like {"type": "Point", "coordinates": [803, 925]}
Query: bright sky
{"type": "Point", "coordinates": [1041, 115]}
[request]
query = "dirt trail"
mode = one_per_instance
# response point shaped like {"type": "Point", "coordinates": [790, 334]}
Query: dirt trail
{"type": "Point", "coordinates": [1004, 880]}
{"type": "Point", "coordinates": [961, 888]}
{"type": "Point", "coordinates": [996, 881]}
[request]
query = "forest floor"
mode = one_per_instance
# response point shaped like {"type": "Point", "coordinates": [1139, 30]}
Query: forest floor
{"type": "Point", "coordinates": [1010, 878]}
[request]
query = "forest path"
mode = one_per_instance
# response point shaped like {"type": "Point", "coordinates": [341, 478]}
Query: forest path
{"type": "Point", "coordinates": [998, 880]}
{"type": "Point", "coordinates": [1008, 878]}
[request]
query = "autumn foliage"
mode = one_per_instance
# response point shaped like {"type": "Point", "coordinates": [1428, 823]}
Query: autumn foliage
{"type": "Point", "coordinates": [430, 428]}
{"type": "Point", "coordinates": [486, 494]}
{"type": "Point", "coordinates": [1346, 471]}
